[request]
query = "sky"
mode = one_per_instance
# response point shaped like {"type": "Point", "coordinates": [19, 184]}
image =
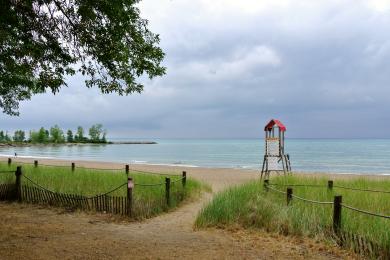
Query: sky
{"type": "Point", "coordinates": [321, 67]}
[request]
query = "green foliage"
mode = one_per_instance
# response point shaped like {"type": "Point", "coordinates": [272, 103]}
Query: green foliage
{"type": "Point", "coordinates": [19, 136]}
{"type": "Point", "coordinates": [2, 136]}
{"type": "Point", "coordinates": [79, 137]}
{"type": "Point", "coordinates": [69, 136]}
{"type": "Point", "coordinates": [57, 135]}
{"type": "Point", "coordinates": [42, 136]}
{"type": "Point", "coordinates": [250, 206]}
{"type": "Point", "coordinates": [96, 133]}
{"type": "Point", "coordinates": [42, 41]}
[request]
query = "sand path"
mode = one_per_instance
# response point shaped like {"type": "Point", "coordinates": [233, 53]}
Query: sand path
{"type": "Point", "coordinates": [33, 232]}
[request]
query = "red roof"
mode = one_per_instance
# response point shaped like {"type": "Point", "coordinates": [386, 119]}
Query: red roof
{"type": "Point", "coordinates": [275, 122]}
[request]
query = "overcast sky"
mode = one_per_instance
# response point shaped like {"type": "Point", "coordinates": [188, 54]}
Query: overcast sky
{"type": "Point", "coordinates": [321, 67]}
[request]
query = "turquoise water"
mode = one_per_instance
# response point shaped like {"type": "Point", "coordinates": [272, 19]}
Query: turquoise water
{"type": "Point", "coordinates": [323, 155]}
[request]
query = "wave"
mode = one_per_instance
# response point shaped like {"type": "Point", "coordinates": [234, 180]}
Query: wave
{"type": "Point", "coordinates": [26, 156]}
{"type": "Point", "coordinates": [173, 165]}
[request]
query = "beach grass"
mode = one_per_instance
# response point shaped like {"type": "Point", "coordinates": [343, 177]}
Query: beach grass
{"type": "Point", "coordinates": [250, 206]}
{"type": "Point", "coordinates": [148, 193]}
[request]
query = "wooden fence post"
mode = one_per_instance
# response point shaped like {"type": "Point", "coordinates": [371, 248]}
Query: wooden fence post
{"type": "Point", "coordinates": [330, 185]}
{"type": "Point", "coordinates": [73, 166]}
{"type": "Point", "coordinates": [266, 183]}
{"type": "Point", "coordinates": [18, 188]}
{"type": "Point", "coordinates": [184, 179]}
{"type": "Point", "coordinates": [130, 186]}
{"type": "Point", "coordinates": [168, 190]}
{"type": "Point", "coordinates": [36, 163]}
{"type": "Point", "coordinates": [337, 213]}
{"type": "Point", "coordinates": [127, 167]}
{"type": "Point", "coordinates": [289, 195]}
{"type": "Point", "coordinates": [9, 161]}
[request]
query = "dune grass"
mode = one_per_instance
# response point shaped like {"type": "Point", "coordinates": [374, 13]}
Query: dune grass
{"type": "Point", "coordinates": [251, 206]}
{"type": "Point", "coordinates": [148, 200]}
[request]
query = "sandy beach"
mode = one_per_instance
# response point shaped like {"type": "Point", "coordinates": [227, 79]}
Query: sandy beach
{"type": "Point", "coordinates": [37, 232]}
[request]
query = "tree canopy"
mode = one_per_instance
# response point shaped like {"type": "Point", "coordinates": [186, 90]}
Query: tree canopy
{"type": "Point", "coordinates": [43, 41]}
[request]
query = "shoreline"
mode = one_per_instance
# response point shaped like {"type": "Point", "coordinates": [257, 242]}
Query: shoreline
{"type": "Point", "coordinates": [217, 177]}
{"type": "Point", "coordinates": [171, 166]}
{"type": "Point", "coordinates": [25, 144]}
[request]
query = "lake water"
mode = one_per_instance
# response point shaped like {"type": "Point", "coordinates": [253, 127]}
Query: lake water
{"type": "Point", "coordinates": [323, 155]}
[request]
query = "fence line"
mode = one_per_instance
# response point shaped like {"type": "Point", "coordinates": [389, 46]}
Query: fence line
{"type": "Point", "coordinates": [324, 186]}
{"type": "Point", "coordinates": [178, 179]}
{"type": "Point", "coordinates": [365, 212]}
{"type": "Point", "coordinates": [127, 169]}
{"type": "Point", "coordinates": [297, 185]}
{"type": "Point", "coordinates": [155, 173]}
{"type": "Point", "coordinates": [100, 169]}
{"type": "Point", "coordinates": [149, 184]}
{"type": "Point", "coordinates": [130, 205]}
{"type": "Point", "coordinates": [357, 243]}
{"type": "Point", "coordinates": [312, 201]}
{"type": "Point", "coordinates": [282, 192]}
{"type": "Point", "coordinates": [329, 202]}
{"type": "Point", "coordinates": [303, 199]}
{"type": "Point", "coordinates": [367, 190]}
{"type": "Point", "coordinates": [99, 195]}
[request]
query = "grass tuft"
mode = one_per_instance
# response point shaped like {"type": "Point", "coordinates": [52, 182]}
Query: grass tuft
{"type": "Point", "coordinates": [250, 206]}
{"type": "Point", "coordinates": [148, 200]}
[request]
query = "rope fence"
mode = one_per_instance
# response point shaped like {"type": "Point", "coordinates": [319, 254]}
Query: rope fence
{"type": "Point", "coordinates": [282, 192]}
{"type": "Point", "coordinates": [95, 196]}
{"type": "Point", "coordinates": [297, 185]}
{"type": "Point", "coordinates": [365, 212]}
{"type": "Point", "coordinates": [330, 186]}
{"type": "Point", "coordinates": [358, 244]}
{"type": "Point", "coordinates": [131, 203]}
{"type": "Point", "coordinates": [149, 184]}
{"type": "Point", "coordinates": [7, 171]}
{"type": "Point", "coordinates": [97, 169]}
{"type": "Point", "coordinates": [366, 190]}
{"type": "Point", "coordinates": [313, 201]}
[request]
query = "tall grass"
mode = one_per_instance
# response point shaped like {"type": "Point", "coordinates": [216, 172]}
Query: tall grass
{"type": "Point", "coordinates": [251, 206]}
{"type": "Point", "coordinates": [147, 200]}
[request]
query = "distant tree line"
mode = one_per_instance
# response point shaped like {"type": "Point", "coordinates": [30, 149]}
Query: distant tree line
{"type": "Point", "coordinates": [56, 135]}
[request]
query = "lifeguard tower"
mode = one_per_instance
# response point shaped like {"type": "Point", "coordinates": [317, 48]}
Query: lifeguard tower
{"type": "Point", "coordinates": [274, 149]}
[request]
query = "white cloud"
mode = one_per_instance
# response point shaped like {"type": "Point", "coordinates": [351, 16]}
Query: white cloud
{"type": "Point", "coordinates": [379, 5]}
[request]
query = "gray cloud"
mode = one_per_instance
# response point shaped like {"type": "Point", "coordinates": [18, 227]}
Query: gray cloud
{"type": "Point", "coordinates": [320, 66]}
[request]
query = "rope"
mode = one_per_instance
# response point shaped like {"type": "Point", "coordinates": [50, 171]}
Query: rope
{"type": "Point", "coordinates": [178, 179]}
{"type": "Point", "coordinates": [157, 184]}
{"type": "Point", "coordinates": [87, 168]}
{"type": "Point", "coordinates": [335, 186]}
{"type": "Point", "coordinates": [297, 185]}
{"type": "Point", "coordinates": [149, 185]}
{"type": "Point", "coordinates": [95, 196]}
{"type": "Point", "coordinates": [7, 171]}
{"type": "Point", "coordinates": [303, 199]}
{"type": "Point", "coordinates": [38, 185]}
{"type": "Point", "coordinates": [347, 188]}
{"type": "Point", "coordinates": [277, 190]}
{"type": "Point", "coordinates": [365, 212]}
{"type": "Point", "coordinates": [100, 169]}
{"type": "Point", "coordinates": [156, 173]}
{"type": "Point", "coordinates": [312, 201]}
{"type": "Point", "coordinates": [331, 203]}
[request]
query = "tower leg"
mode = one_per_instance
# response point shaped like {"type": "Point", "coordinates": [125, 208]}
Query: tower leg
{"type": "Point", "coordinates": [262, 169]}
{"type": "Point", "coordinates": [284, 164]}
{"type": "Point", "coordinates": [288, 162]}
